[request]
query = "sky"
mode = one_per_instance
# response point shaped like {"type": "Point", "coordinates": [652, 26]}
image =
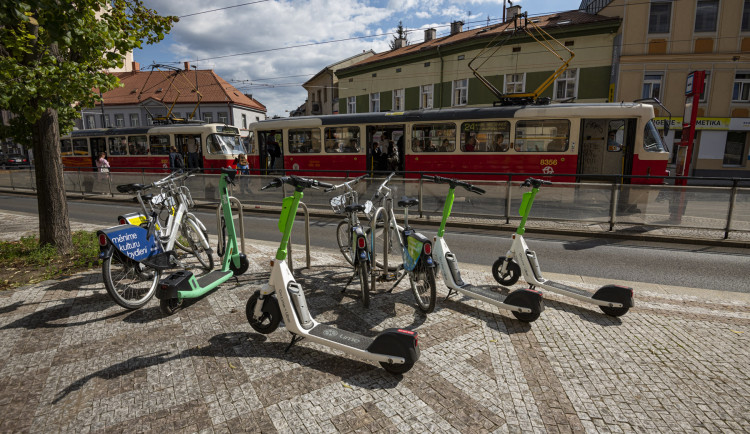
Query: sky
{"type": "Point", "coordinates": [269, 48]}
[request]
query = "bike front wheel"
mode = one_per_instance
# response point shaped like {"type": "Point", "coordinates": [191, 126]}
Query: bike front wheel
{"type": "Point", "coordinates": [422, 281]}
{"type": "Point", "coordinates": [129, 283]}
{"type": "Point", "coordinates": [344, 240]}
{"type": "Point", "coordinates": [192, 233]}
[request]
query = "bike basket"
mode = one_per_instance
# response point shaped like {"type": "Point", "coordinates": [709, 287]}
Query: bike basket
{"type": "Point", "coordinates": [185, 192]}
{"type": "Point", "coordinates": [338, 203]}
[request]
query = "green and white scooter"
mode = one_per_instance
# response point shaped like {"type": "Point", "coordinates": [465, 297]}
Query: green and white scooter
{"type": "Point", "coordinates": [525, 304]}
{"type": "Point", "coordinates": [614, 300]}
{"type": "Point", "coordinates": [183, 284]}
{"type": "Point", "coordinates": [282, 298]}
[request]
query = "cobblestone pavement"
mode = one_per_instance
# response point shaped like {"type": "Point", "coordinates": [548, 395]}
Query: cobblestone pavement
{"type": "Point", "coordinates": [74, 361]}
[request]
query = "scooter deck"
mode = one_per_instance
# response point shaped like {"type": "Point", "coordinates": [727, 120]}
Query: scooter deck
{"type": "Point", "coordinates": [566, 288]}
{"type": "Point", "coordinates": [212, 277]}
{"type": "Point", "coordinates": [339, 336]}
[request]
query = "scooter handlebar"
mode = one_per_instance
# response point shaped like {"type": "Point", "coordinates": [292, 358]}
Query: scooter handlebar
{"type": "Point", "coordinates": [536, 183]}
{"type": "Point", "coordinates": [455, 182]}
{"type": "Point", "coordinates": [297, 181]}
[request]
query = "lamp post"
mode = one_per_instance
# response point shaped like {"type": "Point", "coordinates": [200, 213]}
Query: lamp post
{"type": "Point", "coordinates": [196, 89]}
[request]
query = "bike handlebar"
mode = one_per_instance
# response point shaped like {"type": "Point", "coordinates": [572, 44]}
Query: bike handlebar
{"type": "Point", "coordinates": [297, 182]}
{"type": "Point", "coordinates": [535, 183]}
{"type": "Point", "coordinates": [382, 185]}
{"type": "Point", "coordinates": [349, 184]}
{"type": "Point", "coordinates": [455, 182]}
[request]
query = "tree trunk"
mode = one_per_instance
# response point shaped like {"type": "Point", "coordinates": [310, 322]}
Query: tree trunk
{"type": "Point", "coordinates": [52, 203]}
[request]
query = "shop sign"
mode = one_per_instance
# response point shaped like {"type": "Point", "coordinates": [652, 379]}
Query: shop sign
{"type": "Point", "coordinates": [700, 123]}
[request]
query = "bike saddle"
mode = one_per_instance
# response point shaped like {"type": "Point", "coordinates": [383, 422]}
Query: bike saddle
{"type": "Point", "coordinates": [130, 188]}
{"type": "Point", "coordinates": [406, 202]}
{"type": "Point", "coordinates": [354, 207]}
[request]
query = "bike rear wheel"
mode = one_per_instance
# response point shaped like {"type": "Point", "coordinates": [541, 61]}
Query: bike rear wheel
{"type": "Point", "coordinates": [129, 283]}
{"type": "Point", "coordinates": [344, 240]}
{"type": "Point", "coordinates": [192, 233]}
{"type": "Point", "coordinates": [422, 281]}
{"type": "Point", "coordinates": [364, 282]}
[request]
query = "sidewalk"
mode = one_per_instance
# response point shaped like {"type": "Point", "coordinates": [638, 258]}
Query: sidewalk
{"type": "Point", "coordinates": [73, 361]}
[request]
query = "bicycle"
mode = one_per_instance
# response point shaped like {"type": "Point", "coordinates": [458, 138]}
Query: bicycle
{"type": "Point", "coordinates": [133, 256]}
{"type": "Point", "coordinates": [415, 249]}
{"type": "Point", "coordinates": [350, 235]}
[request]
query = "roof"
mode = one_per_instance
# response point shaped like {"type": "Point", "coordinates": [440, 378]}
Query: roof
{"type": "Point", "coordinates": [333, 66]}
{"type": "Point", "coordinates": [168, 86]}
{"type": "Point", "coordinates": [547, 22]}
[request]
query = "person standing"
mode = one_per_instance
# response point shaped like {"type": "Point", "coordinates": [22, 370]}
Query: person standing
{"type": "Point", "coordinates": [176, 163]}
{"type": "Point", "coordinates": [193, 156]}
{"type": "Point", "coordinates": [274, 151]}
{"type": "Point", "coordinates": [102, 166]}
{"type": "Point", "coordinates": [243, 167]}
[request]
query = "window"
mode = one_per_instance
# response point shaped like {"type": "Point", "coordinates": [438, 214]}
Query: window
{"type": "Point", "coordinates": [460, 91]}
{"type": "Point", "coordinates": [515, 83]}
{"type": "Point", "coordinates": [425, 96]}
{"type": "Point", "coordinates": [651, 139]}
{"type": "Point", "coordinates": [706, 14]}
{"type": "Point", "coordinates": [491, 136]}
{"type": "Point", "coordinates": [304, 141]}
{"type": "Point", "coordinates": [224, 144]}
{"type": "Point", "coordinates": [119, 120]}
{"type": "Point", "coordinates": [244, 121]}
{"type": "Point", "coordinates": [351, 104]}
{"type": "Point", "coordinates": [159, 145]}
{"type": "Point", "coordinates": [149, 120]}
{"type": "Point", "coordinates": [433, 137]}
{"type": "Point", "coordinates": [223, 117]}
{"type": "Point", "coordinates": [746, 16]}
{"type": "Point", "coordinates": [542, 135]}
{"type": "Point", "coordinates": [80, 147]}
{"type": "Point", "coordinates": [105, 121]}
{"type": "Point", "coordinates": [566, 85]}
{"type": "Point", "coordinates": [135, 120]}
{"type": "Point", "coordinates": [374, 102]}
{"type": "Point", "coordinates": [398, 100]}
{"type": "Point", "coordinates": [66, 147]}
{"type": "Point", "coordinates": [117, 145]}
{"type": "Point", "coordinates": [342, 139]}
{"type": "Point", "coordinates": [734, 151]}
{"type": "Point", "coordinates": [652, 85]}
{"type": "Point", "coordinates": [90, 122]}
{"type": "Point", "coordinates": [208, 117]}
{"type": "Point", "coordinates": [659, 17]}
{"type": "Point", "coordinates": [741, 89]}
{"type": "Point", "coordinates": [138, 145]}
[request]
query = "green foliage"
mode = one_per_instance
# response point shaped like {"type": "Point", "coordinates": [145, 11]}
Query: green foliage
{"type": "Point", "coordinates": [53, 54]}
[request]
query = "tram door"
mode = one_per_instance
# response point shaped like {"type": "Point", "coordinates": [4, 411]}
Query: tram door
{"type": "Point", "coordinates": [270, 151]}
{"type": "Point", "coordinates": [98, 144]}
{"type": "Point", "coordinates": [380, 137]}
{"type": "Point", "coordinates": [606, 148]}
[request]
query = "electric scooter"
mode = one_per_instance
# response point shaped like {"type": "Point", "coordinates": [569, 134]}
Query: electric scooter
{"type": "Point", "coordinates": [183, 284]}
{"type": "Point", "coordinates": [525, 304]}
{"type": "Point", "coordinates": [613, 300]}
{"type": "Point", "coordinates": [282, 298]}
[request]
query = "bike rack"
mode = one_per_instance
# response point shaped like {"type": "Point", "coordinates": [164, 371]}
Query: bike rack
{"type": "Point", "coordinates": [307, 238]}
{"type": "Point", "coordinates": [236, 202]}
{"type": "Point", "coordinates": [386, 236]}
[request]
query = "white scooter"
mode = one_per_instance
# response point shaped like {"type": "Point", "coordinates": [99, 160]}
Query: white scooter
{"type": "Point", "coordinates": [525, 304]}
{"type": "Point", "coordinates": [613, 300]}
{"type": "Point", "coordinates": [282, 298]}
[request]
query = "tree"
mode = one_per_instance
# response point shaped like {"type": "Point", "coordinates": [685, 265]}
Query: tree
{"type": "Point", "coordinates": [400, 34]}
{"type": "Point", "coordinates": [53, 58]}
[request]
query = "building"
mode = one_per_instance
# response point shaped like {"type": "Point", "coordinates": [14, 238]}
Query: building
{"type": "Point", "coordinates": [435, 73]}
{"type": "Point", "coordinates": [323, 88]}
{"type": "Point", "coordinates": [661, 42]}
{"type": "Point", "coordinates": [145, 95]}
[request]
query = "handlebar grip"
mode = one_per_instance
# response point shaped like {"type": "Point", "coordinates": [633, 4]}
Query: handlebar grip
{"type": "Point", "coordinates": [275, 183]}
{"type": "Point", "coordinates": [323, 184]}
{"type": "Point", "coordinates": [430, 177]}
{"type": "Point", "coordinates": [477, 190]}
{"type": "Point", "coordinates": [327, 190]}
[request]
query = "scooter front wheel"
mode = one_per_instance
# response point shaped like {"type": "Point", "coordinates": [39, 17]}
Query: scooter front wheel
{"type": "Point", "coordinates": [512, 272]}
{"type": "Point", "coordinates": [244, 265]}
{"type": "Point", "coordinates": [396, 369]}
{"type": "Point", "coordinates": [270, 316]}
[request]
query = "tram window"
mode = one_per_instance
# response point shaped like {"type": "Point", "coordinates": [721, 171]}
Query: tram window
{"type": "Point", "coordinates": [80, 147]}
{"type": "Point", "coordinates": [651, 139]}
{"type": "Point", "coordinates": [615, 135]}
{"type": "Point", "coordinates": [224, 144]}
{"type": "Point", "coordinates": [491, 136]}
{"type": "Point", "coordinates": [138, 145]}
{"type": "Point", "coordinates": [66, 147]}
{"type": "Point", "coordinates": [159, 145]}
{"type": "Point", "coordinates": [304, 141]}
{"type": "Point", "coordinates": [117, 145]}
{"type": "Point", "coordinates": [542, 135]}
{"type": "Point", "coordinates": [433, 138]}
{"type": "Point", "coordinates": [342, 139]}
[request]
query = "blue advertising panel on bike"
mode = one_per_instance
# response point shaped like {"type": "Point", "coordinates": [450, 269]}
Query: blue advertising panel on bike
{"type": "Point", "coordinates": [133, 241]}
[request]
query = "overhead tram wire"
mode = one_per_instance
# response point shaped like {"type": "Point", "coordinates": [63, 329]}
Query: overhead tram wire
{"type": "Point", "coordinates": [224, 8]}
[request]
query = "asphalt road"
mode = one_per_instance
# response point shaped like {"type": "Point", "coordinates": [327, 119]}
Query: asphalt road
{"type": "Point", "coordinates": [686, 265]}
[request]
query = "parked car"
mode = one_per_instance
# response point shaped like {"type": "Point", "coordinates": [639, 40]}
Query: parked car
{"type": "Point", "coordinates": [16, 160]}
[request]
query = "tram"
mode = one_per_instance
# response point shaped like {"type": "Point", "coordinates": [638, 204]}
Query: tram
{"type": "Point", "coordinates": [596, 140]}
{"type": "Point", "coordinates": [138, 148]}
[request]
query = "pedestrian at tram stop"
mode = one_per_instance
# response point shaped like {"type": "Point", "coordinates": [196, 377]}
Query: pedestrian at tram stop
{"type": "Point", "coordinates": [176, 163]}
{"type": "Point", "coordinates": [102, 166]}
{"type": "Point", "coordinates": [243, 168]}
{"type": "Point", "coordinates": [193, 156]}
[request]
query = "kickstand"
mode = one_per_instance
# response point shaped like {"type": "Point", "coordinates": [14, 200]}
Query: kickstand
{"type": "Point", "coordinates": [450, 292]}
{"type": "Point", "coordinates": [397, 281]}
{"type": "Point", "coordinates": [295, 339]}
{"type": "Point", "coordinates": [349, 281]}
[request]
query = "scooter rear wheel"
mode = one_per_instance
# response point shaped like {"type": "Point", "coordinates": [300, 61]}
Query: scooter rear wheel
{"type": "Point", "coordinates": [615, 311]}
{"type": "Point", "coordinates": [269, 319]}
{"type": "Point", "coordinates": [512, 272]}
{"type": "Point", "coordinates": [396, 369]}
{"type": "Point", "coordinates": [170, 306]}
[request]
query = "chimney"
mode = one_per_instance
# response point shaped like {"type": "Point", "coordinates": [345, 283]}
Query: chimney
{"type": "Point", "coordinates": [136, 67]}
{"type": "Point", "coordinates": [429, 34]}
{"type": "Point", "coordinates": [187, 66]}
{"type": "Point", "coordinates": [457, 27]}
{"type": "Point", "coordinates": [399, 43]}
{"type": "Point", "coordinates": [513, 11]}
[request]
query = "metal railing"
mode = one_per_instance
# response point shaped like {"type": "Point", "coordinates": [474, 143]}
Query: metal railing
{"type": "Point", "coordinates": [582, 199]}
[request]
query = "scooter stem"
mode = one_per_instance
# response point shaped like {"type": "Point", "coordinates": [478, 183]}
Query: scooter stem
{"type": "Point", "coordinates": [231, 250]}
{"type": "Point", "coordinates": [447, 210]}
{"type": "Point", "coordinates": [281, 252]}
{"type": "Point", "coordinates": [525, 210]}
